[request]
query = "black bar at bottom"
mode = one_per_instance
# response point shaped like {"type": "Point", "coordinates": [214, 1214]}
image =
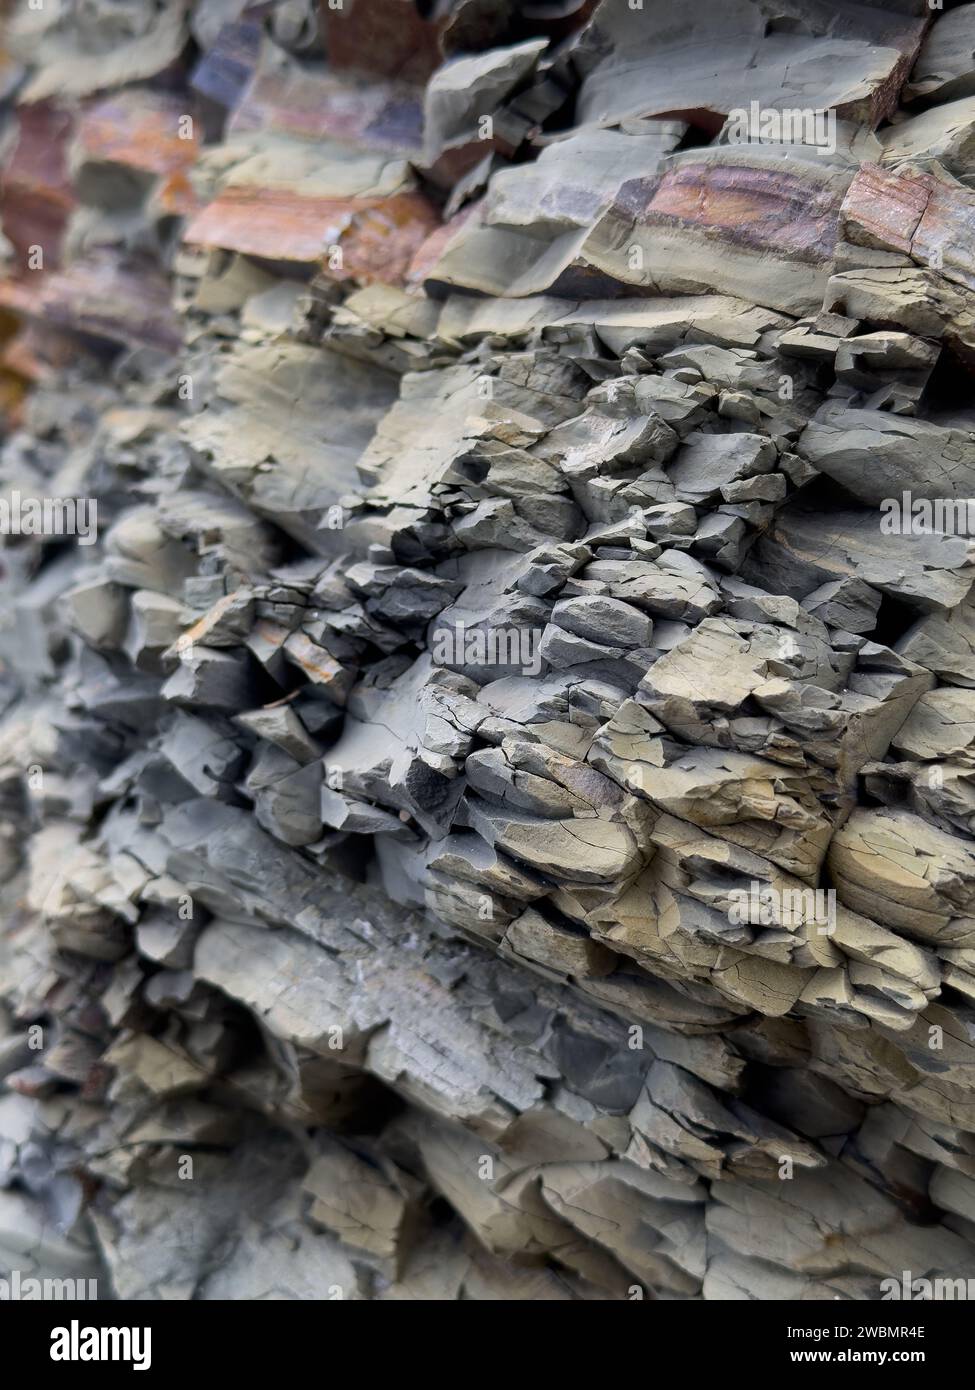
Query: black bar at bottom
{"type": "Point", "coordinates": [733, 1339]}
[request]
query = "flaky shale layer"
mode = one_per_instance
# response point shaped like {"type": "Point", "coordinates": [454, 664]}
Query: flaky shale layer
{"type": "Point", "coordinates": [487, 751]}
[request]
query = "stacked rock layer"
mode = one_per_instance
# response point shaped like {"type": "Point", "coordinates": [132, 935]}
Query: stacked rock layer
{"type": "Point", "coordinates": [487, 780]}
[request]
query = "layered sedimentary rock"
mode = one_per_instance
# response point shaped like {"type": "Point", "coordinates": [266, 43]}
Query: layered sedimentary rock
{"type": "Point", "coordinates": [486, 757]}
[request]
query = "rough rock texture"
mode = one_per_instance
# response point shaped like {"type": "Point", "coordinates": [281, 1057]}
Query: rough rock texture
{"type": "Point", "coordinates": [488, 811]}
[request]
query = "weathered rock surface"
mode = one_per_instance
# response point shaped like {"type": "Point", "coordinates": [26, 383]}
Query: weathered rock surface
{"type": "Point", "coordinates": [490, 796]}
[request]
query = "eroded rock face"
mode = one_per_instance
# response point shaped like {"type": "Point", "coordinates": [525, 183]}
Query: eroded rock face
{"type": "Point", "coordinates": [486, 791]}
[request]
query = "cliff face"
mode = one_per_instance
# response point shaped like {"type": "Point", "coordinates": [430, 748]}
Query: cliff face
{"type": "Point", "coordinates": [487, 752]}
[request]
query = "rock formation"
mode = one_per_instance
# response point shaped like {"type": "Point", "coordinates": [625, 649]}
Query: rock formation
{"type": "Point", "coordinates": [487, 751]}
